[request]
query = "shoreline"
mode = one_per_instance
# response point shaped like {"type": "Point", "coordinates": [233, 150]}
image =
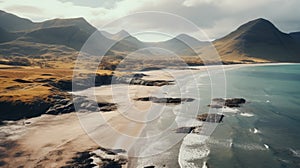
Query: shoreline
{"type": "Point", "coordinates": [42, 142]}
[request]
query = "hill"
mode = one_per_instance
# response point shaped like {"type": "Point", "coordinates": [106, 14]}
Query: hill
{"type": "Point", "coordinates": [258, 40]}
{"type": "Point", "coordinates": [11, 22]}
{"type": "Point", "coordinates": [182, 44]}
{"type": "Point", "coordinates": [296, 36]}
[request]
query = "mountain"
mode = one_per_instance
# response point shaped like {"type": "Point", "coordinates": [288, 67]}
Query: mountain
{"type": "Point", "coordinates": [34, 50]}
{"type": "Point", "coordinates": [182, 44]}
{"type": "Point", "coordinates": [258, 40]}
{"type": "Point", "coordinates": [71, 33]}
{"type": "Point", "coordinates": [117, 36]}
{"type": "Point", "coordinates": [128, 44]}
{"type": "Point", "coordinates": [190, 41]}
{"type": "Point", "coordinates": [10, 22]}
{"type": "Point", "coordinates": [296, 36]}
{"type": "Point", "coordinates": [81, 23]}
{"type": "Point", "coordinates": [106, 34]}
{"type": "Point", "coordinates": [8, 36]}
{"type": "Point", "coordinates": [70, 36]}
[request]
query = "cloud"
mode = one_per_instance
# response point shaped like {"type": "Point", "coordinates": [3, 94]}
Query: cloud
{"type": "Point", "coordinates": [190, 3]}
{"type": "Point", "coordinates": [215, 17]}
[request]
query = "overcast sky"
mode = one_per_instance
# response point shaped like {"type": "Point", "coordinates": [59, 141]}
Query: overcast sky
{"type": "Point", "coordinates": [215, 17]}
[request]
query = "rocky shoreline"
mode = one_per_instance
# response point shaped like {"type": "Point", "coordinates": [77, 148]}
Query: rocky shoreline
{"type": "Point", "coordinates": [59, 101]}
{"type": "Point", "coordinates": [100, 157]}
{"type": "Point", "coordinates": [165, 100]}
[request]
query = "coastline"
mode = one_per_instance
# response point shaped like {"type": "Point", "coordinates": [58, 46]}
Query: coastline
{"type": "Point", "coordinates": [55, 138]}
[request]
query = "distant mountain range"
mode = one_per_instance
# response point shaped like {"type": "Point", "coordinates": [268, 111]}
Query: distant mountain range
{"type": "Point", "coordinates": [256, 41]}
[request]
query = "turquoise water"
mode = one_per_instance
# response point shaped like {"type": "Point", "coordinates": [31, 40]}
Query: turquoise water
{"type": "Point", "coordinates": [269, 135]}
{"type": "Point", "coordinates": [263, 133]}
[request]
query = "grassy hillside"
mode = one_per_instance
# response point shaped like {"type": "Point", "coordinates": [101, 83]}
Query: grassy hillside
{"type": "Point", "coordinates": [258, 40]}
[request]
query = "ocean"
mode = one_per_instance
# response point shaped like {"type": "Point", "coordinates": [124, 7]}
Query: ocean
{"type": "Point", "coordinates": [264, 132]}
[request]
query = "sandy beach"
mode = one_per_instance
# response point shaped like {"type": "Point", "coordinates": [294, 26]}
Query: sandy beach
{"type": "Point", "coordinates": [52, 140]}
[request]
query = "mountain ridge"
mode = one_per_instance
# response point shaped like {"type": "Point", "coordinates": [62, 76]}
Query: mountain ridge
{"type": "Point", "coordinates": [258, 40]}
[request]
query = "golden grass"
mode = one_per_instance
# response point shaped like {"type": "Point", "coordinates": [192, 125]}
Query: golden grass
{"type": "Point", "coordinates": [31, 83]}
{"type": "Point", "coordinates": [32, 87]}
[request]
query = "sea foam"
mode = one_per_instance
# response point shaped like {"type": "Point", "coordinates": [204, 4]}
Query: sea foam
{"type": "Point", "coordinates": [247, 114]}
{"type": "Point", "coordinates": [193, 147]}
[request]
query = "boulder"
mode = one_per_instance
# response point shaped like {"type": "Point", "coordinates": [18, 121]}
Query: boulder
{"type": "Point", "coordinates": [232, 102]}
{"type": "Point", "coordinates": [165, 100]}
{"type": "Point", "coordinates": [215, 118]}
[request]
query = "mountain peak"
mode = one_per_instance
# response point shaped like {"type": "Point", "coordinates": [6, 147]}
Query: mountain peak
{"type": "Point", "coordinates": [184, 37]}
{"type": "Point", "coordinates": [121, 35]}
{"type": "Point", "coordinates": [79, 22]}
{"type": "Point", "coordinates": [259, 24]}
{"type": "Point", "coordinates": [256, 30]}
{"type": "Point", "coordinates": [260, 39]}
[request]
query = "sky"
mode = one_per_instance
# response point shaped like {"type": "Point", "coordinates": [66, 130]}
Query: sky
{"type": "Point", "coordinates": [215, 18]}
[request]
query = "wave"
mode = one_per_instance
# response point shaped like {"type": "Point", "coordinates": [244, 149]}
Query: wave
{"type": "Point", "coordinates": [250, 147]}
{"type": "Point", "coordinates": [255, 130]}
{"type": "Point", "coordinates": [193, 147]}
{"type": "Point", "coordinates": [247, 114]}
{"type": "Point", "coordinates": [229, 110]}
{"type": "Point", "coordinates": [296, 153]}
{"type": "Point", "coordinates": [229, 143]}
{"type": "Point", "coordinates": [204, 165]}
{"type": "Point", "coordinates": [226, 143]}
{"type": "Point", "coordinates": [266, 146]}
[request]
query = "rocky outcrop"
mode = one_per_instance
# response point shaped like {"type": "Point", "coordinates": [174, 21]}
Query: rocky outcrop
{"type": "Point", "coordinates": [90, 80]}
{"type": "Point", "coordinates": [136, 79]}
{"type": "Point", "coordinates": [185, 130]}
{"type": "Point", "coordinates": [165, 100]}
{"type": "Point", "coordinates": [67, 105]}
{"type": "Point", "coordinates": [16, 110]}
{"type": "Point", "coordinates": [233, 102]}
{"type": "Point", "coordinates": [53, 104]}
{"type": "Point", "coordinates": [214, 118]}
{"type": "Point", "coordinates": [101, 157]}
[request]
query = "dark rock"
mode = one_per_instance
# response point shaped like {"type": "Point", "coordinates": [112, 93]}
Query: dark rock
{"type": "Point", "coordinates": [22, 81]}
{"type": "Point", "coordinates": [81, 83]}
{"type": "Point", "coordinates": [107, 106]}
{"type": "Point", "coordinates": [139, 81]}
{"type": "Point", "coordinates": [215, 118]}
{"type": "Point", "coordinates": [151, 68]}
{"type": "Point", "coordinates": [82, 159]}
{"type": "Point", "coordinates": [233, 102]}
{"type": "Point", "coordinates": [186, 130]}
{"type": "Point", "coordinates": [41, 80]}
{"type": "Point", "coordinates": [46, 75]}
{"type": "Point", "coordinates": [139, 75]}
{"type": "Point", "coordinates": [215, 106]}
{"type": "Point", "coordinates": [18, 110]}
{"type": "Point", "coordinates": [165, 100]}
{"type": "Point", "coordinates": [149, 167]}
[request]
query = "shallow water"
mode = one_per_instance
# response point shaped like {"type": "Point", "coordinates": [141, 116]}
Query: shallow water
{"type": "Point", "coordinates": [267, 128]}
{"type": "Point", "coordinates": [262, 133]}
